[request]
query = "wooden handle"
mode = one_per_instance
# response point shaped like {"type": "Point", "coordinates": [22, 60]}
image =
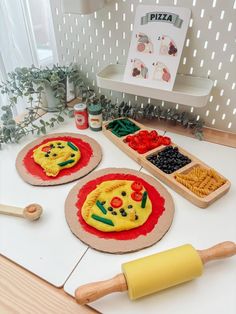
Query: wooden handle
{"type": "Point", "coordinates": [221, 250]}
{"type": "Point", "coordinates": [30, 212]}
{"type": "Point", "coordinates": [96, 290]}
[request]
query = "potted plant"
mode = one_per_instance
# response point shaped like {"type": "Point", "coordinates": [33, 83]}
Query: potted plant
{"type": "Point", "coordinates": [47, 87]}
{"type": "Point", "coordinates": [41, 89]}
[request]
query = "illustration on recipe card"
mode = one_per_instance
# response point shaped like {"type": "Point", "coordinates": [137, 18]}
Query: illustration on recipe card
{"type": "Point", "coordinates": [156, 46]}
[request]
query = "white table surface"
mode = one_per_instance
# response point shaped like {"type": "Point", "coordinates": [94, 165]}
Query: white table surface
{"type": "Point", "coordinates": [215, 291]}
{"type": "Point", "coordinates": [45, 247]}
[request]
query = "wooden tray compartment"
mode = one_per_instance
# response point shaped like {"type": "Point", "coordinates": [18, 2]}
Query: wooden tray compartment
{"type": "Point", "coordinates": [168, 179]}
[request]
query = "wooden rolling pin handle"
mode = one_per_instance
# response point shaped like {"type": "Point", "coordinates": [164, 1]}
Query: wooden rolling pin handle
{"type": "Point", "coordinates": [221, 250]}
{"type": "Point", "coordinates": [93, 291]}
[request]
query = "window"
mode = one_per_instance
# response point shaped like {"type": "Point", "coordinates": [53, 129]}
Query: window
{"type": "Point", "coordinates": [39, 20]}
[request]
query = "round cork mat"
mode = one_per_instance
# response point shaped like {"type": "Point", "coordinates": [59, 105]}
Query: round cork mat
{"type": "Point", "coordinates": [38, 178]}
{"type": "Point", "coordinates": [114, 245]}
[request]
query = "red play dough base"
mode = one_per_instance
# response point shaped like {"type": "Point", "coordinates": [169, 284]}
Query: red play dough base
{"type": "Point", "coordinates": [156, 200]}
{"type": "Point", "coordinates": [37, 171]}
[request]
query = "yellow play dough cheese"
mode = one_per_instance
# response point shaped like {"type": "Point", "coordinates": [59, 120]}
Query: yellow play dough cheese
{"type": "Point", "coordinates": [54, 156]}
{"type": "Point", "coordinates": [104, 193]}
{"type": "Point", "coordinates": [163, 270]}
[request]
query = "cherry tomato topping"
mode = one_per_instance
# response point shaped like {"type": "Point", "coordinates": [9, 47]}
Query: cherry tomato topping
{"type": "Point", "coordinates": [166, 140]}
{"type": "Point", "coordinates": [116, 202]}
{"type": "Point", "coordinates": [137, 196]}
{"type": "Point", "coordinates": [136, 186]}
{"type": "Point", "coordinates": [46, 149]}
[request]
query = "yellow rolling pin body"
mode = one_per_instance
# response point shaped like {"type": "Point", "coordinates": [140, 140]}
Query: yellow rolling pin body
{"type": "Point", "coordinates": [162, 270]}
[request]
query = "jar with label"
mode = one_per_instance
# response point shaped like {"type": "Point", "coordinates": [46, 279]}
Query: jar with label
{"type": "Point", "coordinates": [95, 117]}
{"type": "Point", "coordinates": [81, 116]}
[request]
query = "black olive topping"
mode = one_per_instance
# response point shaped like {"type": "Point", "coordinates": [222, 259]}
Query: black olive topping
{"type": "Point", "coordinates": [58, 143]}
{"type": "Point", "coordinates": [122, 210]}
{"type": "Point", "coordinates": [123, 193]}
{"type": "Point", "coordinates": [72, 155]}
{"type": "Point", "coordinates": [54, 155]}
{"type": "Point", "coordinates": [110, 209]}
{"type": "Point", "coordinates": [123, 214]}
{"type": "Point", "coordinates": [46, 155]}
{"type": "Point", "coordinates": [130, 206]}
{"type": "Point", "coordinates": [103, 202]}
{"type": "Point", "coordinates": [114, 213]}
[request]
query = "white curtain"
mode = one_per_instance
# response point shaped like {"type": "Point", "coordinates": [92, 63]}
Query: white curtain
{"type": "Point", "coordinates": [15, 48]}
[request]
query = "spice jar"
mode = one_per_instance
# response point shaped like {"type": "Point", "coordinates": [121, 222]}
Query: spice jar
{"type": "Point", "coordinates": [81, 116]}
{"type": "Point", "coordinates": [95, 117]}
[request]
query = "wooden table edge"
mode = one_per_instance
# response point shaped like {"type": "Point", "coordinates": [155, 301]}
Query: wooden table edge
{"type": "Point", "coordinates": [21, 291]}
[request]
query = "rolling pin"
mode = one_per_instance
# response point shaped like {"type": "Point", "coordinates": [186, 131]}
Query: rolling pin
{"type": "Point", "coordinates": [30, 212]}
{"type": "Point", "coordinates": [156, 272]}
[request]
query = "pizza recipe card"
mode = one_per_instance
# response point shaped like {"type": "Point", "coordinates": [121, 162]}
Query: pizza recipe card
{"type": "Point", "coordinates": [156, 45]}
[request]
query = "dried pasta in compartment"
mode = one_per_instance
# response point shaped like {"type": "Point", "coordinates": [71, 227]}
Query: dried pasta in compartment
{"type": "Point", "coordinates": [201, 181]}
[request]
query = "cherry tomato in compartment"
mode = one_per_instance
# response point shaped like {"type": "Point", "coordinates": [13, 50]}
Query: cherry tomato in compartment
{"type": "Point", "coordinates": [145, 140]}
{"type": "Point", "coordinates": [166, 141]}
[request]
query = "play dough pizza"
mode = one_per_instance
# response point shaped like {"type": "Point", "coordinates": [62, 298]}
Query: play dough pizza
{"type": "Point", "coordinates": [54, 156]}
{"type": "Point", "coordinates": [119, 210]}
{"type": "Point", "coordinates": [117, 205]}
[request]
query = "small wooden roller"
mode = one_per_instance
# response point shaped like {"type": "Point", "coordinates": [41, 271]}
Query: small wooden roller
{"type": "Point", "coordinates": [30, 212]}
{"type": "Point", "coordinates": [156, 272]}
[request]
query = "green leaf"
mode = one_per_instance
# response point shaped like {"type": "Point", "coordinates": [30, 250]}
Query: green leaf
{"type": "Point", "coordinates": [40, 88]}
{"type": "Point", "coordinates": [4, 117]}
{"type": "Point", "coordinates": [12, 122]}
{"type": "Point", "coordinates": [42, 122]}
{"type": "Point", "coordinates": [60, 119]}
{"type": "Point", "coordinates": [43, 130]}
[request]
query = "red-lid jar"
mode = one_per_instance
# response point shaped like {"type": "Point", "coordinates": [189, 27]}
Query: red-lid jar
{"type": "Point", "coordinates": [81, 116]}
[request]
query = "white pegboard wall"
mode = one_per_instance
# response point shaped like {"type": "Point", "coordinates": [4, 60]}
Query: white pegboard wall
{"type": "Point", "coordinates": [96, 40]}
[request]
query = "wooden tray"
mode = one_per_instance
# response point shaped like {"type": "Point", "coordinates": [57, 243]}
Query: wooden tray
{"type": "Point", "coordinates": [168, 179]}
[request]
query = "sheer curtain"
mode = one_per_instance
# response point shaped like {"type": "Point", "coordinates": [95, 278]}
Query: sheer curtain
{"type": "Point", "coordinates": [14, 44]}
{"type": "Point", "coordinates": [18, 39]}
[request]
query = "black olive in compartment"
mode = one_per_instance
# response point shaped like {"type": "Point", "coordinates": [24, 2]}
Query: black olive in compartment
{"type": "Point", "coordinates": [169, 159]}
